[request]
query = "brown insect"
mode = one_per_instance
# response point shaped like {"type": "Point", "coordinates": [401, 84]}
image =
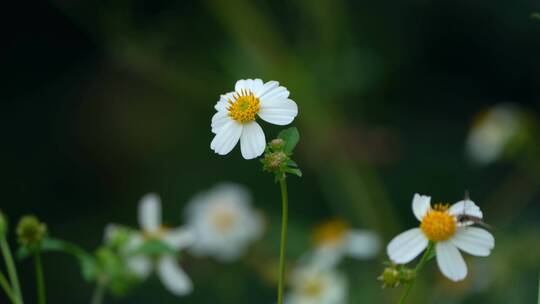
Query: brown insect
{"type": "Point", "coordinates": [467, 218]}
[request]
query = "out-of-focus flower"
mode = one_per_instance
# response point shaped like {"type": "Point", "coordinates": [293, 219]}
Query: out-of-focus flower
{"type": "Point", "coordinates": [313, 284]}
{"type": "Point", "coordinates": [443, 226]}
{"type": "Point", "coordinates": [141, 260]}
{"type": "Point", "coordinates": [30, 231]}
{"type": "Point", "coordinates": [223, 221]}
{"type": "Point", "coordinates": [491, 132]}
{"type": "Point", "coordinates": [335, 239]}
{"type": "Point", "coordinates": [237, 111]}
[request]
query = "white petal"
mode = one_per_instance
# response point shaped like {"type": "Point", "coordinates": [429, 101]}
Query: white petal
{"type": "Point", "coordinates": [420, 205]}
{"type": "Point", "coordinates": [279, 112]}
{"type": "Point", "coordinates": [226, 138]}
{"type": "Point", "coordinates": [271, 95]}
{"type": "Point", "coordinates": [450, 261]}
{"type": "Point", "coordinates": [252, 141]}
{"type": "Point", "coordinates": [223, 102]}
{"type": "Point", "coordinates": [266, 88]}
{"type": "Point", "coordinates": [141, 266]}
{"type": "Point", "coordinates": [173, 277]}
{"type": "Point", "coordinates": [473, 240]}
{"type": "Point", "coordinates": [179, 238]}
{"type": "Point", "coordinates": [219, 120]}
{"type": "Point", "coordinates": [362, 244]}
{"type": "Point", "coordinates": [406, 246]}
{"type": "Point", "coordinates": [467, 207]}
{"type": "Point", "coordinates": [150, 212]}
{"type": "Point", "coordinates": [252, 85]}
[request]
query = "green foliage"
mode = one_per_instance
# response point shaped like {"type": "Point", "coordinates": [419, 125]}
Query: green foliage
{"type": "Point", "coordinates": [277, 157]}
{"type": "Point", "coordinates": [3, 225]}
{"type": "Point", "coordinates": [535, 16]}
{"type": "Point", "coordinates": [153, 247]}
{"type": "Point", "coordinates": [86, 261]}
{"type": "Point", "coordinates": [290, 136]}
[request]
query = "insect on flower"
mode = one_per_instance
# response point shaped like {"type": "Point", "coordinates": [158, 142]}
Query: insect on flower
{"type": "Point", "coordinates": [468, 219]}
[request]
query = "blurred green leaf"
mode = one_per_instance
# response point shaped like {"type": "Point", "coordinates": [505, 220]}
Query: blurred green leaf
{"type": "Point", "coordinates": [291, 136]}
{"type": "Point", "coordinates": [153, 248]}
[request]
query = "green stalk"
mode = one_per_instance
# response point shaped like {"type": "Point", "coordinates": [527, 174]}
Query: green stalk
{"type": "Point", "coordinates": [538, 289]}
{"type": "Point", "coordinates": [99, 293]}
{"type": "Point", "coordinates": [39, 278]}
{"type": "Point", "coordinates": [284, 215]}
{"type": "Point", "coordinates": [7, 289]}
{"type": "Point", "coordinates": [12, 271]}
{"type": "Point", "coordinates": [417, 269]}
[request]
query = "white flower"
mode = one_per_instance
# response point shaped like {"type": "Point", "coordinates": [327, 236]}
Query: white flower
{"type": "Point", "coordinates": [169, 271]}
{"type": "Point", "coordinates": [440, 224]}
{"type": "Point", "coordinates": [335, 239]}
{"type": "Point", "coordinates": [491, 133]}
{"type": "Point", "coordinates": [312, 284]}
{"type": "Point", "coordinates": [237, 111]}
{"type": "Point", "coordinates": [223, 222]}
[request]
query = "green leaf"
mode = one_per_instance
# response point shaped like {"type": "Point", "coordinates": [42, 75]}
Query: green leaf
{"type": "Point", "coordinates": [153, 247]}
{"type": "Point", "coordinates": [291, 138]}
{"type": "Point", "coordinates": [535, 16]}
{"type": "Point", "coordinates": [294, 171]}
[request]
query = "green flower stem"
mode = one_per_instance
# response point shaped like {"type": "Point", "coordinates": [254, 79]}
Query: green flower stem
{"type": "Point", "coordinates": [538, 289]}
{"type": "Point", "coordinates": [99, 292]}
{"type": "Point", "coordinates": [12, 271]}
{"type": "Point", "coordinates": [284, 214]}
{"type": "Point", "coordinates": [7, 289]}
{"type": "Point", "coordinates": [419, 267]}
{"type": "Point", "coordinates": [39, 278]}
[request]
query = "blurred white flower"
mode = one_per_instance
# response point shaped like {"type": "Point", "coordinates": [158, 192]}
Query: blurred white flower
{"type": "Point", "coordinates": [237, 111]}
{"type": "Point", "coordinates": [440, 224]}
{"type": "Point", "coordinates": [313, 284]}
{"type": "Point", "coordinates": [223, 221]}
{"type": "Point", "coordinates": [491, 133]}
{"type": "Point", "coordinates": [335, 239]}
{"type": "Point", "coordinates": [169, 271]}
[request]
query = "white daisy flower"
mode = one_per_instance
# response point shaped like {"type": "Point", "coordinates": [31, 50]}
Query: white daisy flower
{"type": "Point", "coordinates": [440, 224]}
{"type": "Point", "coordinates": [336, 239]}
{"type": "Point", "coordinates": [223, 221]}
{"type": "Point", "coordinates": [491, 133]}
{"type": "Point", "coordinates": [237, 111]}
{"type": "Point", "coordinates": [169, 271]}
{"type": "Point", "coordinates": [312, 284]}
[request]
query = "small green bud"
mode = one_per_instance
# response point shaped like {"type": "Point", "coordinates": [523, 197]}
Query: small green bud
{"type": "Point", "coordinates": [3, 225]}
{"type": "Point", "coordinates": [390, 277]}
{"type": "Point", "coordinates": [407, 275]}
{"type": "Point", "coordinates": [277, 144]}
{"type": "Point", "coordinates": [116, 236]}
{"type": "Point", "coordinates": [30, 231]}
{"type": "Point", "coordinates": [273, 161]}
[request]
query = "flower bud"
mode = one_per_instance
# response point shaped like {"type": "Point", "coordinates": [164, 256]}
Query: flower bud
{"type": "Point", "coordinates": [274, 160]}
{"type": "Point", "coordinates": [390, 277]}
{"type": "Point", "coordinates": [30, 231]}
{"type": "Point", "coordinates": [277, 144]}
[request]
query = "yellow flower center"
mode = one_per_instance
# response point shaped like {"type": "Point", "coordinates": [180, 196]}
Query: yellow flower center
{"type": "Point", "coordinates": [438, 224]}
{"type": "Point", "coordinates": [330, 233]}
{"type": "Point", "coordinates": [223, 220]}
{"type": "Point", "coordinates": [244, 107]}
{"type": "Point", "coordinates": [158, 233]}
{"type": "Point", "coordinates": [313, 288]}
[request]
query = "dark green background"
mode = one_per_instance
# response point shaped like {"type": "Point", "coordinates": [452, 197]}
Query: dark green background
{"type": "Point", "coordinates": [104, 101]}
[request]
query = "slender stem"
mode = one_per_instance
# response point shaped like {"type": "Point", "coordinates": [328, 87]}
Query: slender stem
{"type": "Point", "coordinates": [7, 289]}
{"type": "Point", "coordinates": [39, 278]}
{"type": "Point", "coordinates": [12, 271]}
{"type": "Point", "coordinates": [538, 289]}
{"type": "Point", "coordinates": [417, 269]}
{"type": "Point", "coordinates": [99, 293]}
{"type": "Point", "coordinates": [284, 214]}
